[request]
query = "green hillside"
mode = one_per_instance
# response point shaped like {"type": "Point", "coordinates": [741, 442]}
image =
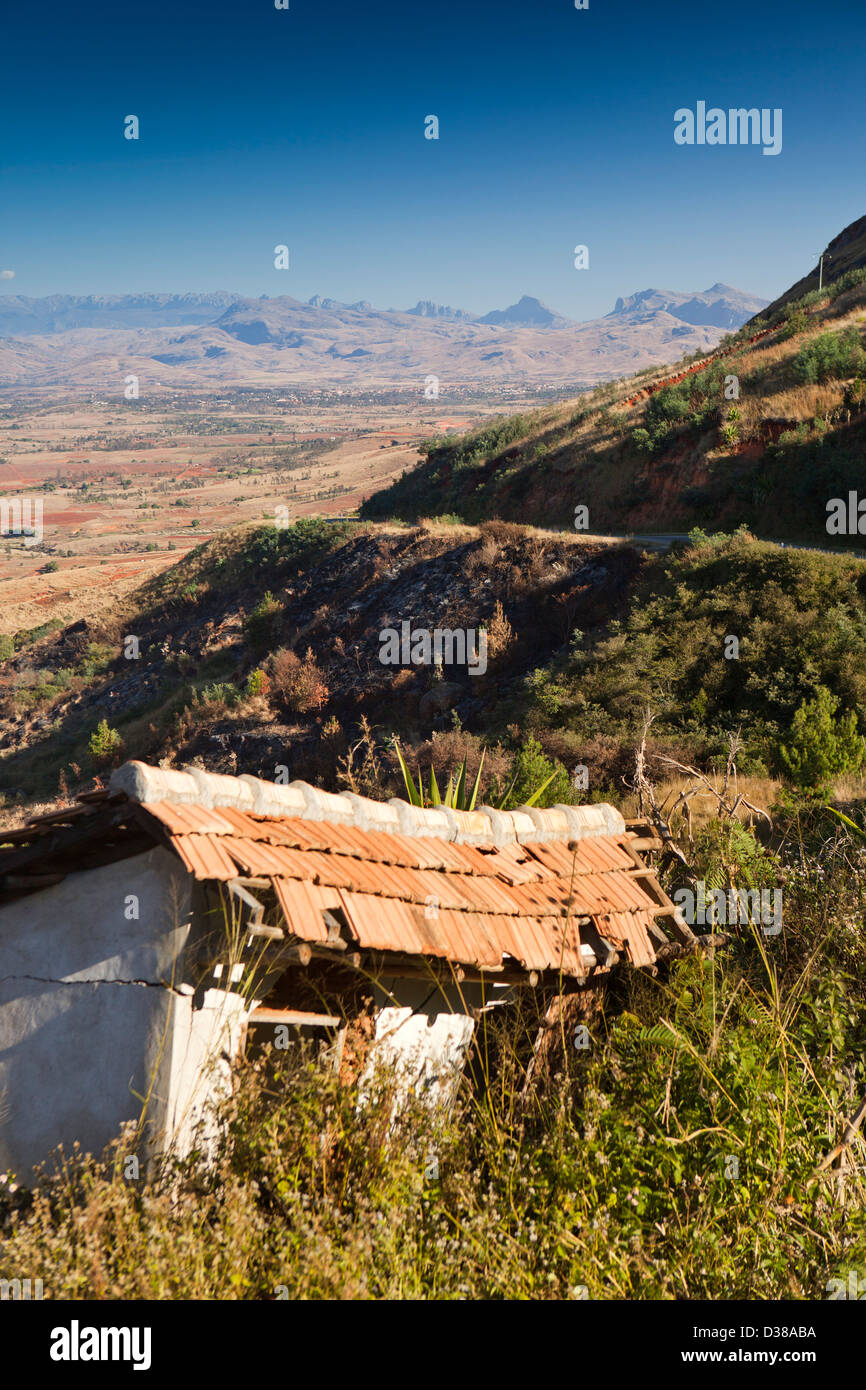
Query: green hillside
{"type": "Point", "coordinates": [689, 446]}
{"type": "Point", "coordinates": [263, 647]}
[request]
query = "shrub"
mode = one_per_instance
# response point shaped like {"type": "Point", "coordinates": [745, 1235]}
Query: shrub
{"type": "Point", "coordinates": [848, 281]}
{"type": "Point", "coordinates": [97, 659]}
{"type": "Point", "coordinates": [7, 646]}
{"type": "Point", "coordinates": [855, 395]}
{"type": "Point", "coordinates": [261, 624]}
{"type": "Point", "coordinates": [669, 406]}
{"type": "Point", "coordinates": [500, 633]}
{"type": "Point", "coordinates": [532, 769]}
{"type": "Point", "coordinates": [502, 532]}
{"type": "Point", "coordinates": [105, 744]}
{"type": "Point", "coordinates": [823, 746]}
{"type": "Point", "coordinates": [795, 321]}
{"type": "Point", "coordinates": [258, 682]}
{"type": "Point", "coordinates": [220, 693]}
{"type": "Point", "coordinates": [830, 357]}
{"type": "Point", "coordinates": [298, 684]}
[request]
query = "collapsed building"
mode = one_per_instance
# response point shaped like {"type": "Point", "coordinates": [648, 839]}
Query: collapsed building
{"type": "Point", "coordinates": [149, 929]}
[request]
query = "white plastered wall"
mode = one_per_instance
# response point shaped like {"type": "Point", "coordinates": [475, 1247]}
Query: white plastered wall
{"type": "Point", "coordinates": [97, 1024]}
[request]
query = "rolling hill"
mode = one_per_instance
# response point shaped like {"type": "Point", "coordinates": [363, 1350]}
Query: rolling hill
{"type": "Point", "coordinates": [763, 433]}
{"type": "Point", "coordinates": [262, 648]}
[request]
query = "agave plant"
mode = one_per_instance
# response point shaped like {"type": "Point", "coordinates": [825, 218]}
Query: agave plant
{"type": "Point", "coordinates": [846, 820]}
{"type": "Point", "coordinates": [457, 795]}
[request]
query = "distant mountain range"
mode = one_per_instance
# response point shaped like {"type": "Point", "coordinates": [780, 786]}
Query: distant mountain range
{"type": "Point", "coordinates": [198, 339]}
{"type": "Point", "coordinates": [527, 311]}
{"type": "Point", "coordinates": [60, 313]}
{"type": "Point", "coordinates": [426, 309]}
{"type": "Point", "coordinates": [720, 306]}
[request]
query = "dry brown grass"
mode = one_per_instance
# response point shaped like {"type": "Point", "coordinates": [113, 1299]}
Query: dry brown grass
{"type": "Point", "coordinates": [803, 402]}
{"type": "Point", "coordinates": [761, 791]}
{"type": "Point", "coordinates": [850, 789]}
{"type": "Point", "coordinates": [502, 532]}
{"type": "Point", "coordinates": [487, 553]}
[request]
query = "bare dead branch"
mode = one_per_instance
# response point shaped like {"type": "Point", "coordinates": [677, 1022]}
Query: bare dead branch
{"type": "Point", "coordinates": [714, 791]}
{"type": "Point", "coordinates": [848, 1137]}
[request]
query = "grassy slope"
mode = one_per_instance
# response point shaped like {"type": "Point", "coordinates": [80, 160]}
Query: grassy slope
{"type": "Point", "coordinates": [335, 589]}
{"type": "Point", "coordinates": [844, 253]}
{"type": "Point", "coordinates": [643, 458]}
{"type": "Point", "coordinates": [592, 634]}
{"type": "Point", "coordinates": [799, 616]}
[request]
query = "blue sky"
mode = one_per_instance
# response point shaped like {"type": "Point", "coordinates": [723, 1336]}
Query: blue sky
{"type": "Point", "coordinates": [306, 127]}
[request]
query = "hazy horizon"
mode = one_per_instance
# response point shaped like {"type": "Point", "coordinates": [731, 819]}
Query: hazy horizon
{"type": "Point", "coordinates": [9, 291]}
{"type": "Point", "coordinates": [306, 127]}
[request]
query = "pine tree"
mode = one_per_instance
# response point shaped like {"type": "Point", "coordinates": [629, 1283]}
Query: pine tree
{"type": "Point", "coordinates": [822, 746]}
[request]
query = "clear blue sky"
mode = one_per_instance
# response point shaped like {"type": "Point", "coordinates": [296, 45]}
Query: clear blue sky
{"type": "Point", "coordinates": [305, 126]}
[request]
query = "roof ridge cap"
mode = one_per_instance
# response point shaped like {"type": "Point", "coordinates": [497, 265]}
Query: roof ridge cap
{"type": "Point", "coordinates": [143, 782]}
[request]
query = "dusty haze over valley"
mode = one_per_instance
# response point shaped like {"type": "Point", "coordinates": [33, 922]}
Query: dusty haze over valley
{"type": "Point", "coordinates": [64, 342]}
{"type": "Point", "coordinates": [241, 406]}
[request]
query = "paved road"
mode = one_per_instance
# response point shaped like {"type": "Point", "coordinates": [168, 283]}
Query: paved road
{"type": "Point", "coordinates": [663, 541]}
{"type": "Point", "coordinates": [658, 542]}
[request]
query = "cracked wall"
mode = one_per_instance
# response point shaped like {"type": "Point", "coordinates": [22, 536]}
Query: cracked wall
{"type": "Point", "coordinates": [95, 1015]}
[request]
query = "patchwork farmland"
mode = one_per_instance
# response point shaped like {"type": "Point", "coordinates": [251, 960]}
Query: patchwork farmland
{"type": "Point", "coordinates": [126, 489]}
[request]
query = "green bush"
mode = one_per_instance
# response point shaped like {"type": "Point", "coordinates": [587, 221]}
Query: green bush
{"type": "Point", "coordinates": [830, 357]}
{"type": "Point", "coordinates": [96, 660]}
{"type": "Point", "coordinates": [795, 321]}
{"type": "Point", "coordinates": [848, 281]}
{"type": "Point", "coordinates": [257, 682]}
{"type": "Point", "coordinates": [823, 745]}
{"type": "Point", "coordinates": [855, 395]}
{"type": "Point", "coordinates": [220, 693]}
{"type": "Point", "coordinates": [796, 611]}
{"type": "Point", "coordinates": [530, 770]}
{"type": "Point", "coordinates": [262, 623]}
{"type": "Point", "coordinates": [105, 744]}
